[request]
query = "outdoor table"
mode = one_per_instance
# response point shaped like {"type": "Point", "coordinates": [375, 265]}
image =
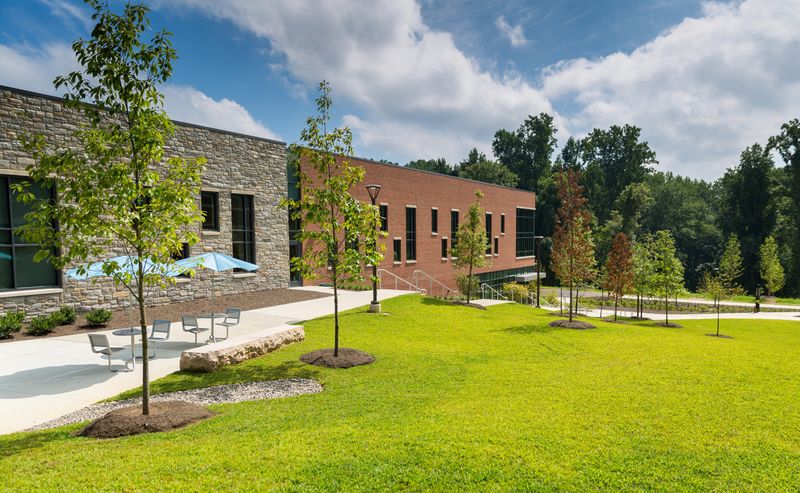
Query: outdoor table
{"type": "Point", "coordinates": [133, 332]}
{"type": "Point", "coordinates": [212, 317]}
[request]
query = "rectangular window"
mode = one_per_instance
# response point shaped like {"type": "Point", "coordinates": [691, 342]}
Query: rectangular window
{"type": "Point", "coordinates": [243, 227]}
{"type": "Point", "coordinates": [502, 224]}
{"type": "Point", "coordinates": [383, 209]}
{"type": "Point", "coordinates": [453, 229]}
{"type": "Point", "coordinates": [525, 232]}
{"type": "Point", "coordinates": [435, 221]}
{"type": "Point", "coordinates": [496, 245]}
{"type": "Point", "coordinates": [396, 254]}
{"type": "Point", "coordinates": [210, 204]}
{"type": "Point", "coordinates": [444, 248]}
{"type": "Point", "coordinates": [17, 268]}
{"type": "Point", "coordinates": [411, 233]}
{"type": "Point", "coordinates": [488, 223]}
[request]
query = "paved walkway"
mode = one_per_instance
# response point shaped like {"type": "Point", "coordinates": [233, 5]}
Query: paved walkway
{"type": "Point", "coordinates": [43, 379]}
{"type": "Point", "coordinates": [793, 316]}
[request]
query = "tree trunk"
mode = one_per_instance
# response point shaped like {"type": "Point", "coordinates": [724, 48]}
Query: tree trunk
{"type": "Point", "coordinates": [616, 302]}
{"type": "Point", "coordinates": [570, 301]}
{"type": "Point", "coordinates": [335, 313]}
{"type": "Point", "coordinates": [718, 318]}
{"type": "Point", "coordinates": [666, 309]}
{"type": "Point", "coordinates": [143, 327]}
{"type": "Point", "coordinates": [469, 283]}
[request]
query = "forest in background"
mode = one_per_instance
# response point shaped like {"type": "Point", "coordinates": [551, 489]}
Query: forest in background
{"type": "Point", "coordinates": [756, 198]}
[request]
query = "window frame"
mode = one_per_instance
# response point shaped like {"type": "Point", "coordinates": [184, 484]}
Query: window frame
{"type": "Point", "coordinates": [434, 221]}
{"type": "Point", "coordinates": [525, 238]}
{"type": "Point", "coordinates": [250, 233]}
{"type": "Point", "coordinates": [411, 233]}
{"type": "Point", "coordinates": [487, 222]}
{"type": "Point", "coordinates": [454, 213]}
{"type": "Point", "coordinates": [383, 212]}
{"type": "Point", "coordinates": [215, 205]}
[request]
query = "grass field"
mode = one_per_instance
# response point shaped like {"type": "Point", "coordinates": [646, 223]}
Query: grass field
{"type": "Point", "coordinates": [464, 399]}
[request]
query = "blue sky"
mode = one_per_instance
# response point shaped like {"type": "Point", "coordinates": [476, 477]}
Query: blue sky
{"type": "Point", "coordinates": [430, 78]}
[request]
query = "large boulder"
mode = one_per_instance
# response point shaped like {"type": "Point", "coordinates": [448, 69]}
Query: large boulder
{"type": "Point", "coordinates": [237, 349]}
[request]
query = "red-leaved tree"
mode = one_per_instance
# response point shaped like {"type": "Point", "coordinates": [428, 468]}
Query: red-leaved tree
{"type": "Point", "coordinates": [618, 279]}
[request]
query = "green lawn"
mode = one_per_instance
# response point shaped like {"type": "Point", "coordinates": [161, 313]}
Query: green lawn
{"type": "Point", "coordinates": [464, 399]}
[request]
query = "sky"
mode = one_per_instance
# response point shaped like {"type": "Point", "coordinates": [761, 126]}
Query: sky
{"type": "Point", "coordinates": [434, 78]}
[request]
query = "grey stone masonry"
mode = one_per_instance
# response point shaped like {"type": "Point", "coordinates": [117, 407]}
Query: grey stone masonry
{"type": "Point", "coordinates": [236, 164]}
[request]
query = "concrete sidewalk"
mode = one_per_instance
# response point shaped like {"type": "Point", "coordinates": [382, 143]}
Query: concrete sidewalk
{"type": "Point", "coordinates": [43, 379]}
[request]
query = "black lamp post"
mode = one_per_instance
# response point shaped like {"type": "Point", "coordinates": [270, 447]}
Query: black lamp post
{"type": "Point", "coordinates": [538, 240]}
{"type": "Point", "coordinates": [375, 306]}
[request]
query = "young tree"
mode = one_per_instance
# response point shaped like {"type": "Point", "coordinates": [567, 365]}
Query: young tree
{"type": "Point", "coordinates": [118, 192]}
{"type": "Point", "coordinates": [730, 265]}
{"type": "Point", "coordinates": [618, 269]}
{"type": "Point", "coordinates": [713, 287]}
{"type": "Point", "coordinates": [667, 269]}
{"type": "Point", "coordinates": [339, 231]}
{"type": "Point", "coordinates": [470, 250]}
{"type": "Point", "coordinates": [770, 265]}
{"type": "Point", "coordinates": [573, 248]}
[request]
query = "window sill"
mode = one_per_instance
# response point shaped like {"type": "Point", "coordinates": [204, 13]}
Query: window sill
{"type": "Point", "coordinates": [411, 262]}
{"type": "Point", "coordinates": [502, 234]}
{"type": "Point", "coordinates": [244, 275]}
{"type": "Point", "coordinates": [210, 232]}
{"type": "Point", "coordinates": [496, 254]}
{"type": "Point", "coordinates": [14, 293]}
{"type": "Point", "coordinates": [525, 257]}
{"type": "Point", "coordinates": [444, 259]}
{"type": "Point", "coordinates": [397, 263]}
{"type": "Point", "coordinates": [433, 233]}
{"type": "Point", "coordinates": [182, 280]}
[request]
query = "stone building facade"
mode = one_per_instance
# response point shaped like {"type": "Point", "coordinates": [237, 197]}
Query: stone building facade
{"type": "Point", "coordinates": [243, 173]}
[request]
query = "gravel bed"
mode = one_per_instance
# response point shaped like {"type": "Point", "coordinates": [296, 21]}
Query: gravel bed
{"type": "Point", "coordinates": [239, 392]}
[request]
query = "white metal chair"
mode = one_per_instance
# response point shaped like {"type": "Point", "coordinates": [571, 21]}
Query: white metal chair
{"type": "Point", "coordinates": [232, 317]}
{"type": "Point", "coordinates": [159, 333]}
{"type": "Point", "coordinates": [100, 345]}
{"type": "Point", "coordinates": [190, 325]}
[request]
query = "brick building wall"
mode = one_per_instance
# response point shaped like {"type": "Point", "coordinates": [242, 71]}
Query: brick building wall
{"type": "Point", "coordinates": [402, 187]}
{"type": "Point", "coordinates": [236, 164]}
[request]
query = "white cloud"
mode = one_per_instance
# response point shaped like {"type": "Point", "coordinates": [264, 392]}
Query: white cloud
{"type": "Point", "coordinates": [701, 91]}
{"type": "Point", "coordinates": [35, 68]}
{"type": "Point", "coordinates": [69, 12]}
{"type": "Point", "coordinates": [392, 68]}
{"type": "Point", "coordinates": [187, 104]}
{"type": "Point", "coordinates": [514, 34]}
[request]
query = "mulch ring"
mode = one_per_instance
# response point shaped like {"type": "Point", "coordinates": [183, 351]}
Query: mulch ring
{"type": "Point", "coordinates": [347, 358]}
{"type": "Point", "coordinates": [575, 324]}
{"type": "Point", "coordinates": [164, 416]}
{"type": "Point", "coordinates": [671, 325]}
{"type": "Point", "coordinates": [471, 305]}
{"type": "Point", "coordinates": [721, 336]}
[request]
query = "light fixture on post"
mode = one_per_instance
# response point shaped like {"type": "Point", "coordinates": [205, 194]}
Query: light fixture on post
{"type": "Point", "coordinates": [538, 240]}
{"type": "Point", "coordinates": [375, 306]}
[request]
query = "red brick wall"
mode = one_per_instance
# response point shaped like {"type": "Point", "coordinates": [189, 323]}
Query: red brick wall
{"type": "Point", "coordinates": [403, 186]}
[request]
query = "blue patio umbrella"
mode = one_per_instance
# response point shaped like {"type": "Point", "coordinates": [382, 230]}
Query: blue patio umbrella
{"type": "Point", "coordinates": [215, 262]}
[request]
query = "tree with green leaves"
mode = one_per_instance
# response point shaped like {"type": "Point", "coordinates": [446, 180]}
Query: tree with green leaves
{"type": "Point", "coordinates": [787, 143]}
{"type": "Point", "coordinates": [713, 287]}
{"type": "Point", "coordinates": [439, 165]}
{"type": "Point", "coordinates": [730, 265]}
{"type": "Point", "coordinates": [618, 269]}
{"type": "Point", "coordinates": [470, 251]}
{"type": "Point", "coordinates": [770, 266]}
{"type": "Point", "coordinates": [487, 171]}
{"type": "Point", "coordinates": [643, 269]}
{"type": "Point", "coordinates": [667, 269]}
{"type": "Point", "coordinates": [572, 258]}
{"type": "Point", "coordinates": [118, 191]}
{"type": "Point", "coordinates": [339, 232]}
{"type": "Point", "coordinates": [527, 151]}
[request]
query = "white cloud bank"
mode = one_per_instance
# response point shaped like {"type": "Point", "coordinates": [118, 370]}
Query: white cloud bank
{"type": "Point", "coordinates": [514, 34]}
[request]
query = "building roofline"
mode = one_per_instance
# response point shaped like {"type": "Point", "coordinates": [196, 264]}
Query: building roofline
{"type": "Point", "coordinates": [403, 167]}
{"type": "Point", "coordinates": [58, 99]}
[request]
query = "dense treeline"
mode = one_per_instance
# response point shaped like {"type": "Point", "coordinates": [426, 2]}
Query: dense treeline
{"type": "Point", "coordinates": [756, 201]}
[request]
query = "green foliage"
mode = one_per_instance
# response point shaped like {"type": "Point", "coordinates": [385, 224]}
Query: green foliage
{"type": "Point", "coordinates": [470, 249]}
{"type": "Point", "coordinates": [339, 231]}
{"type": "Point", "coordinates": [66, 315]}
{"type": "Point", "coordinates": [619, 269]}
{"type": "Point", "coordinates": [41, 325]}
{"type": "Point", "coordinates": [439, 165]}
{"type": "Point", "coordinates": [787, 143]}
{"type": "Point", "coordinates": [478, 167]}
{"type": "Point", "coordinates": [11, 322]}
{"type": "Point", "coordinates": [98, 317]}
{"type": "Point", "coordinates": [515, 291]}
{"type": "Point", "coordinates": [770, 266]}
{"type": "Point", "coordinates": [730, 265]}
{"type": "Point", "coordinates": [667, 275]}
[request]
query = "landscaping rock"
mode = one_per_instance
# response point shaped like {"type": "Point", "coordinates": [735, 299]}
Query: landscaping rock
{"type": "Point", "coordinates": [575, 324]}
{"type": "Point", "coordinates": [347, 358]}
{"type": "Point", "coordinates": [164, 416]}
{"type": "Point", "coordinates": [237, 349]}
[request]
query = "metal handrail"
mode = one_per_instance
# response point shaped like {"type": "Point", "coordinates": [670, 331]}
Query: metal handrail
{"type": "Point", "coordinates": [445, 289]}
{"type": "Point", "coordinates": [399, 279]}
{"type": "Point", "coordinates": [492, 290]}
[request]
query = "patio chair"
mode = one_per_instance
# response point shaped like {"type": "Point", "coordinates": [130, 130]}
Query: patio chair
{"type": "Point", "coordinates": [190, 325]}
{"type": "Point", "coordinates": [232, 316]}
{"type": "Point", "coordinates": [160, 332]}
{"type": "Point", "coordinates": [100, 345]}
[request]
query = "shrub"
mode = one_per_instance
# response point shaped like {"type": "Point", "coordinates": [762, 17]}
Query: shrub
{"type": "Point", "coordinates": [11, 322]}
{"type": "Point", "coordinates": [65, 316]}
{"type": "Point", "coordinates": [41, 325]}
{"type": "Point", "coordinates": [467, 284]}
{"type": "Point", "coordinates": [515, 291]}
{"type": "Point", "coordinates": [98, 317]}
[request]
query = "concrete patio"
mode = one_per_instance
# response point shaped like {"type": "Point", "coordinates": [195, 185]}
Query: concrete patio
{"type": "Point", "coordinates": [43, 379]}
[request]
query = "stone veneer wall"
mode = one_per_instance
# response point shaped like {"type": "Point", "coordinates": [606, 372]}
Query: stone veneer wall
{"type": "Point", "coordinates": [236, 164]}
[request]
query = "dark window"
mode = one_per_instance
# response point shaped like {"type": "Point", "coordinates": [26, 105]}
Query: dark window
{"type": "Point", "coordinates": [210, 204]}
{"type": "Point", "coordinates": [488, 223]}
{"type": "Point", "coordinates": [242, 227]}
{"type": "Point", "coordinates": [17, 268]}
{"type": "Point", "coordinates": [384, 212]}
{"type": "Point", "coordinates": [503, 223]}
{"type": "Point", "coordinates": [411, 233]}
{"type": "Point", "coordinates": [525, 232]}
{"type": "Point", "coordinates": [182, 254]}
{"type": "Point", "coordinates": [434, 220]}
{"type": "Point", "coordinates": [496, 245]}
{"type": "Point", "coordinates": [444, 247]}
{"type": "Point", "coordinates": [396, 245]}
{"type": "Point", "coordinates": [453, 229]}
